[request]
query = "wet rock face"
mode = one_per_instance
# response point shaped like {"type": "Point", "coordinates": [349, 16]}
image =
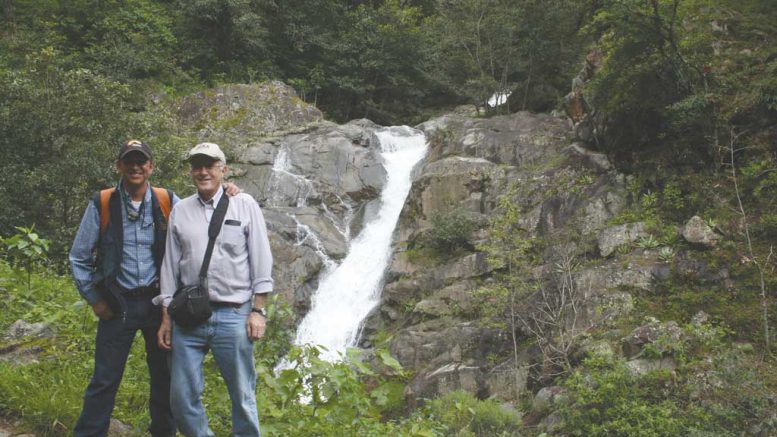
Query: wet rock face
{"type": "Point", "coordinates": [319, 184]}
{"type": "Point", "coordinates": [471, 164]}
{"type": "Point", "coordinates": [315, 180]}
{"type": "Point", "coordinates": [517, 139]}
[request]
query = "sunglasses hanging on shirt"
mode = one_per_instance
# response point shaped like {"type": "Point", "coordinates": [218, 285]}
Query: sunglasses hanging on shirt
{"type": "Point", "coordinates": [132, 213]}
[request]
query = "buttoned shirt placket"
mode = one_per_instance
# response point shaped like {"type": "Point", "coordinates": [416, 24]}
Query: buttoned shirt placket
{"type": "Point", "coordinates": [137, 265]}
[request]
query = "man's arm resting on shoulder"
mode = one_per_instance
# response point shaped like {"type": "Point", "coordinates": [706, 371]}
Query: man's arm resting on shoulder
{"type": "Point", "coordinates": [231, 189]}
{"type": "Point", "coordinates": [82, 261]}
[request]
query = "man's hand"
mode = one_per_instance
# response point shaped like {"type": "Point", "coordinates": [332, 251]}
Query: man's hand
{"type": "Point", "coordinates": [255, 326]}
{"type": "Point", "coordinates": [232, 189]}
{"type": "Point", "coordinates": [102, 310]}
{"type": "Point", "coordinates": [165, 334]}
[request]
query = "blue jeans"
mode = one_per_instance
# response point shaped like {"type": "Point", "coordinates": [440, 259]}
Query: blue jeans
{"type": "Point", "coordinates": [112, 346]}
{"type": "Point", "coordinates": [225, 335]}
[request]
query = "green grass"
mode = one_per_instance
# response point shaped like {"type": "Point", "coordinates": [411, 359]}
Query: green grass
{"type": "Point", "coordinates": [46, 393]}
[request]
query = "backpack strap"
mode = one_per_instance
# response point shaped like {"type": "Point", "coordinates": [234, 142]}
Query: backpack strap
{"type": "Point", "coordinates": [102, 203]}
{"type": "Point", "coordinates": [164, 199]}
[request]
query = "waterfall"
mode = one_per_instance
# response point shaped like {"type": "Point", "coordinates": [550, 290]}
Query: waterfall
{"type": "Point", "coordinates": [290, 189]}
{"type": "Point", "coordinates": [286, 185]}
{"type": "Point", "coordinates": [347, 293]}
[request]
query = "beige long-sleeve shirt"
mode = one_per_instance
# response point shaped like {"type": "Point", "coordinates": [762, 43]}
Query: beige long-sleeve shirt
{"type": "Point", "coordinates": [241, 264]}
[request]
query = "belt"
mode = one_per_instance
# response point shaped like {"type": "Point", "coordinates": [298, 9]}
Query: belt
{"type": "Point", "coordinates": [140, 292]}
{"type": "Point", "coordinates": [226, 304]}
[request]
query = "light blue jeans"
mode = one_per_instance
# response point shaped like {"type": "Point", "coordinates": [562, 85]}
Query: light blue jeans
{"type": "Point", "coordinates": [225, 335]}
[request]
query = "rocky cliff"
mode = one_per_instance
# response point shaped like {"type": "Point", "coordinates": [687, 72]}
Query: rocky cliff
{"type": "Point", "coordinates": [319, 183]}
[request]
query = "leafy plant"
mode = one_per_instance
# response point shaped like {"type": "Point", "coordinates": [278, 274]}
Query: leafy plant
{"type": "Point", "coordinates": [623, 249]}
{"type": "Point", "coordinates": [649, 200]}
{"type": "Point", "coordinates": [666, 253]}
{"type": "Point", "coordinates": [648, 242]}
{"type": "Point", "coordinates": [27, 249]}
{"type": "Point", "coordinates": [451, 232]}
{"type": "Point", "coordinates": [463, 415]}
{"type": "Point", "coordinates": [608, 400]}
{"type": "Point", "coordinates": [673, 197]}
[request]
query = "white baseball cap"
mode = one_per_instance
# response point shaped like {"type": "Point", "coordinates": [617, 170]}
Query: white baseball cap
{"type": "Point", "coordinates": [208, 149]}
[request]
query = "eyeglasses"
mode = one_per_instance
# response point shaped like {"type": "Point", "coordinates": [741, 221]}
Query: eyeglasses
{"type": "Point", "coordinates": [207, 166]}
{"type": "Point", "coordinates": [132, 160]}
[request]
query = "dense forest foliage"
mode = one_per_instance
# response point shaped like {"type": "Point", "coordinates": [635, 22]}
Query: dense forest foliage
{"type": "Point", "coordinates": [79, 76]}
{"type": "Point", "coordinates": [682, 77]}
{"type": "Point", "coordinates": [682, 95]}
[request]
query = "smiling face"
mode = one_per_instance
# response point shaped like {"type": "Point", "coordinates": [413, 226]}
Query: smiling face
{"type": "Point", "coordinates": [207, 174]}
{"type": "Point", "coordinates": [135, 168]}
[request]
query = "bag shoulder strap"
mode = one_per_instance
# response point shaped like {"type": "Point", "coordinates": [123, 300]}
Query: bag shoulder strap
{"type": "Point", "coordinates": [164, 200]}
{"type": "Point", "coordinates": [213, 231]}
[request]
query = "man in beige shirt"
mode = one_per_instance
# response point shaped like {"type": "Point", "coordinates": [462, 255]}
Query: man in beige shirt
{"type": "Point", "coordinates": [239, 279]}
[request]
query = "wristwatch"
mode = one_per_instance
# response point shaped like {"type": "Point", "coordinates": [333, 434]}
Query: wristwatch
{"type": "Point", "coordinates": [261, 311]}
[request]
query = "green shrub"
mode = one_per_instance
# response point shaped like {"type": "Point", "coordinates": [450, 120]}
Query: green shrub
{"type": "Point", "coordinates": [352, 397]}
{"type": "Point", "coordinates": [609, 401]}
{"type": "Point", "coordinates": [27, 249]}
{"type": "Point", "coordinates": [737, 392]}
{"type": "Point", "coordinates": [451, 232]}
{"type": "Point", "coordinates": [463, 415]}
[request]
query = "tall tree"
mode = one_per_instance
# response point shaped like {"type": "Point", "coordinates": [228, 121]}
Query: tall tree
{"type": "Point", "coordinates": [226, 38]}
{"type": "Point", "coordinates": [481, 47]}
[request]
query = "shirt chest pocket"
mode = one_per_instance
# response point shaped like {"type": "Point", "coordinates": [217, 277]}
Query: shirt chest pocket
{"type": "Point", "coordinates": [233, 237]}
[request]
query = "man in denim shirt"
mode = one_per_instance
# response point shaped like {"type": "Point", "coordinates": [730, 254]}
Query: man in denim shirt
{"type": "Point", "coordinates": [119, 284]}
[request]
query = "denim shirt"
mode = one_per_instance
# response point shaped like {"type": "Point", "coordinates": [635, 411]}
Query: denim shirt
{"type": "Point", "coordinates": [137, 262]}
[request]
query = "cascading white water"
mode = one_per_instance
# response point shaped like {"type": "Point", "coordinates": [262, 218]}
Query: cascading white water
{"type": "Point", "coordinates": [348, 293]}
{"type": "Point", "coordinates": [286, 184]}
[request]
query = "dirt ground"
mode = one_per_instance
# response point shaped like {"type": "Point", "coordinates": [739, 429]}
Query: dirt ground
{"type": "Point", "coordinates": [9, 428]}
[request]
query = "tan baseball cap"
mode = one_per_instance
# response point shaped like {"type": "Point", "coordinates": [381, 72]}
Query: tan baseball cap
{"type": "Point", "coordinates": [208, 149]}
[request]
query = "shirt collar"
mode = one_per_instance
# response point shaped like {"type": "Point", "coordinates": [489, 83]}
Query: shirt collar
{"type": "Point", "coordinates": [124, 193]}
{"type": "Point", "coordinates": [214, 200]}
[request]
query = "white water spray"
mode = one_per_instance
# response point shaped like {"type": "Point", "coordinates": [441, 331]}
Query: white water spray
{"type": "Point", "coordinates": [347, 294]}
{"type": "Point", "coordinates": [286, 185]}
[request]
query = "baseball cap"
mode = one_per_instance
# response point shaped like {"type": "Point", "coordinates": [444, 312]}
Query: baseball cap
{"type": "Point", "coordinates": [134, 146]}
{"type": "Point", "coordinates": [207, 149]}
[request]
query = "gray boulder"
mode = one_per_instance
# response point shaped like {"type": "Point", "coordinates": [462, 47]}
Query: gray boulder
{"type": "Point", "coordinates": [232, 114]}
{"type": "Point", "coordinates": [697, 231]}
{"type": "Point", "coordinates": [21, 329]}
{"type": "Point", "coordinates": [598, 162]}
{"type": "Point", "coordinates": [641, 366]}
{"type": "Point", "coordinates": [506, 381]}
{"type": "Point", "coordinates": [609, 239]}
{"type": "Point", "coordinates": [549, 397]}
{"type": "Point", "coordinates": [633, 344]}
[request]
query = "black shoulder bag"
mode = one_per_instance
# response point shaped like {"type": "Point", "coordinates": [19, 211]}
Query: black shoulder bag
{"type": "Point", "coordinates": [190, 306]}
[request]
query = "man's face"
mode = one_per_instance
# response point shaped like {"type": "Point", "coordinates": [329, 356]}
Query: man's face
{"type": "Point", "coordinates": [207, 174]}
{"type": "Point", "coordinates": [135, 168]}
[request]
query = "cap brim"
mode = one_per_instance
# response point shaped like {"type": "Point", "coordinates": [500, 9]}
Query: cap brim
{"type": "Point", "coordinates": [190, 157]}
{"type": "Point", "coordinates": [215, 158]}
